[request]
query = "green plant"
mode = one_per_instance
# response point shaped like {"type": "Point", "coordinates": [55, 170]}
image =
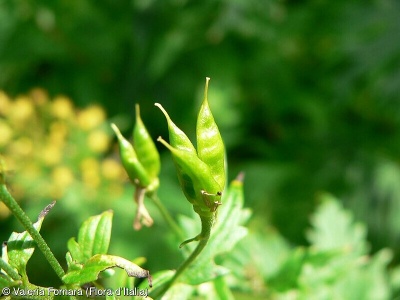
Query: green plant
{"type": "Point", "coordinates": [230, 260]}
{"type": "Point", "coordinates": [202, 177]}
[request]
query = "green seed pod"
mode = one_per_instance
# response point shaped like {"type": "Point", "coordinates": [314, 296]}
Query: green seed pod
{"type": "Point", "coordinates": [136, 172]}
{"type": "Point", "coordinates": [177, 137]}
{"type": "Point", "coordinates": [198, 186]}
{"type": "Point", "coordinates": [145, 148]}
{"type": "Point", "coordinates": [210, 147]}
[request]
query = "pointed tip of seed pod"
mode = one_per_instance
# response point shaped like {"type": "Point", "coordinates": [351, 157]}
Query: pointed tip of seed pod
{"type": "Point", "coordinates": [137, 110]}
{"type": "Point", "coordinates": [169, 121]}
{"type": "Point", "coordinates": [116, 130]}
{"type": "Point", "coordinates": [138, 117]}
{"type": "Point", "coordinates": [162, 109]}
{"type": "Point", "coordinates": [206, 89]}
{"type": "Point", "coordinates": [162, 141]}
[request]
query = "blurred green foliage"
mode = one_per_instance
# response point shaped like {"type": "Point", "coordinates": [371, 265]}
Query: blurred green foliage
{"type": "Point", "coordinates": [305, 92]}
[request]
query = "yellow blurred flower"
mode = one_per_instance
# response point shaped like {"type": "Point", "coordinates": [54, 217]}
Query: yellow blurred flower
{"type": "Point", "coordinates": [98, 141]}
{"type": "Point", "coordinates": [58, 133]}
{"type": "Point", "coordinates": [5, 103]}
{"type": "Point", "coordinates": [9, 163]}
{"type": "Point", "coordinates": [91, 117]}
{"type": "Point", "coordinates": [44, 141]}
{"type": "Point", "coordinates": [29, 170]}
{"type": "Point", "coordinates": [6, 133]}
{"type": "Point", "coordinates": [22, 147]}
{"type": "Point", "coordinates": [22, 109]}
{"type": "Point", "coordinates": [115, 190]}
{"type": "Point", "coordinates": [51, 154]}
{"type": "Point", "coordinates": [4, 211]}
{"type": "Point", "coordinates": [62, 108]}
{"type": "Point", "coordinates": [39, 96]}
{"type": "Point", "coordinates": [111, 169]}
{"type": "Point", "coordinates": [90, 172]}
{"type": "Point", "coordinates": [62, 177]}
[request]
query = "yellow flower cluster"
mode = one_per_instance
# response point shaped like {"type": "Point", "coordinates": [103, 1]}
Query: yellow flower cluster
{"type": "Point", "coordinates": [54, 149]}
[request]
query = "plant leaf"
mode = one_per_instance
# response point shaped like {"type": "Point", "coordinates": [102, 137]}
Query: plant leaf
{"type": "Point", "coordinates": [222, 290]}
{"type": "Point", "coordinates": [288, 275]}
{"type": "Point", "coordinates": [93, 238]}
{"type": "Point", "coordinates": [226, 233]}
{"type": "Point", "coordinates": [334, 228]}
{"type": "Point", "coordinates": [75, 251]}
{"type": "Point", "coordinates": [20, 246]}
{"type": "Point", "coordinates": [100, 262]}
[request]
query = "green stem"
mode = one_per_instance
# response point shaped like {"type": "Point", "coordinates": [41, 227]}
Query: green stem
{"type": "Point", "coordinates": [204, 236]}
{"type": "Point", "coordinates": [167, 217]}
{"type": "Point", "coordinates": [170, 221]}
{"type": "Point", "coordinates": [17, 211]}
{"type": "Point", "coordinates": [9, 270]}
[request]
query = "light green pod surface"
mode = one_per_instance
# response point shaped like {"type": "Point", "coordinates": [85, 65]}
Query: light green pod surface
{"type": "Point", "coordinates": [194, 176]}
{"type": "Point", "coordinates": [145, 148]}
{"type": "Point", "coordinates": [210, 147]}
{"type": "Point", "coordinates": [177, 138]}
{"type": "Point", "coordinates": [130, 161]}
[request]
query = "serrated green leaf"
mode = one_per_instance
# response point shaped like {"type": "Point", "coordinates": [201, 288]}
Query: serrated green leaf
{"type": "Point", "coordinates": [100, 262]}
{"type": "Point", "coordinates": [334, 228]}
{"type": "Point", "coordinates": [94, 236]}
{"type": "Point", "coordinates": [329, 271]}
{"type": "Point", "coordinates": [225, 234]}
{"type": "Point", "coordinates": [20, 247]}
{"type": "Point", "coordinates": [365, 279]}
{"type": "Point", "coordinates": [287, 277]}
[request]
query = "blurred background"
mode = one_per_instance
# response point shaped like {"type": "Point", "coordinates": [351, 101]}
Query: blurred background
{"type": "Point", "coordinates": [306, 95]}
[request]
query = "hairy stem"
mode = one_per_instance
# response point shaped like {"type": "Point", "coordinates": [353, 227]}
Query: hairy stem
{"type": "Point", "coordinates": [17, 211]}
{"type": "Point", "coordinates": [9, 270]}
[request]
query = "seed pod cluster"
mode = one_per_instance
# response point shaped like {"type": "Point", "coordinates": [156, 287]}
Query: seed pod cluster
{"type": "Point", "coordinates": [141, 162]}
{"type": "Point", "coordinates": [201, 173]}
